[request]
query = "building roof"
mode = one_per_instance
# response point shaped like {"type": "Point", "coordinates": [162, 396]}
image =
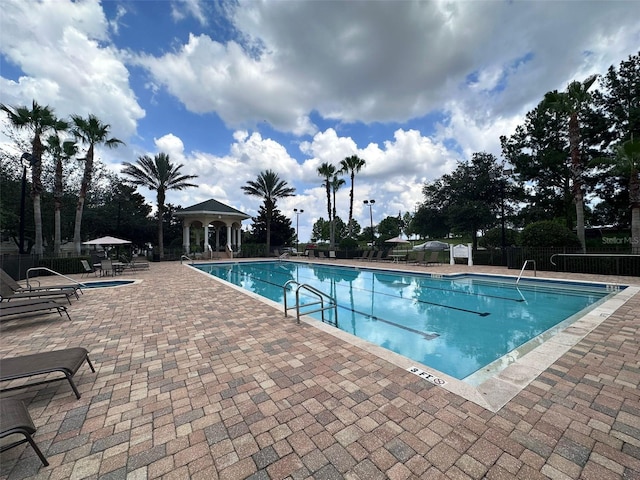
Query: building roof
{"type": "Point", "coordinates": [211, 207]}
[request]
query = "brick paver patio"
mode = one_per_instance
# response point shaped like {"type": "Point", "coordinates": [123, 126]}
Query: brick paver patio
{"type": "Point", "coordinates": [197, 381]}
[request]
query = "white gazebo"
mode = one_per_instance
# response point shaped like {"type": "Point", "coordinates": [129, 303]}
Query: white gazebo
{"type": "Point", "coordinates": [213, 216]}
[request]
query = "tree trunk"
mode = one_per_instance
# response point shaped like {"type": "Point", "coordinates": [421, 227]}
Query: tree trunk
{"type": "Point", "coordinates": [161, 199]}
{"type": "Point", "coordinates": [57, 237]}
{"type": "Point", "coordinates": [76, 229]}
{"type": "Point", "coordinates": [84, 188]}
{"type": "Point", "coordinates": [37, 221]}
{"type": "Point", "coordinates": [576, 172]}
{"type": "Point", "coordinates": [349, 225]}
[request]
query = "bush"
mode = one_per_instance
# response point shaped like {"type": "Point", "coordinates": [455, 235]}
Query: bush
{"type": "Point", "coordinates": [348, 244]}
{"type": "Point", "coordinates": [493, 238]}
{"type": "Point", "coordinates": [548, 234]}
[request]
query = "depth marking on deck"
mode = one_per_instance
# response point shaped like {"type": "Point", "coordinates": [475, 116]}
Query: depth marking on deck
{"type": "Point", "coordinates": [426, 375]}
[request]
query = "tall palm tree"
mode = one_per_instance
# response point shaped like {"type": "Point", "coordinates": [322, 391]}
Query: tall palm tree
{"type": "Point", "coordinates": [270, 187]}
{"type": "Point", "coordinates": [336, 183]}
{"type": "Point", "coordinates": [93, 132]}
{"type": "Point", "coordinates": [159, 174]}
{"type": "Point", "coordinates": [38, 120]}
{"type": "Point", "coordinates": [327, 171]}
{"type": "Point", "coordinates": [61, 151]}
{"type": "Point", "coordinates": [570, 103]}
{"type": "Point", "coordinates": [351, 165]}
{"type": "Point", "coordinates": [627, 162]}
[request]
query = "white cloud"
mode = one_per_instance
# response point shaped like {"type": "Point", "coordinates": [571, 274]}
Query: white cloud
{"type": "Point", "coordinates": [62, 48]}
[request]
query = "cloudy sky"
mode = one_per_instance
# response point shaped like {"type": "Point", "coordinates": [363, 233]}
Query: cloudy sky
{"type": "Point", "coordinates": [232, 88]}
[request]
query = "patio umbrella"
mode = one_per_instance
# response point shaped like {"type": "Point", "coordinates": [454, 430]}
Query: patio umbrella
{"type": "Point", "coordinates": [397, 240]}
{"type": "Point", "coordinates": [107, 241]}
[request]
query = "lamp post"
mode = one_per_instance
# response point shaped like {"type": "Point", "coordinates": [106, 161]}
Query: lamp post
{"type": "Point", "coordinates": [32, 161]}
{"type": "Point", "coordinates": [503, 233]}
{"type": "Point", "coordinates": [370, 203]}
{"type": "Point", "coordinates": [297, 212]}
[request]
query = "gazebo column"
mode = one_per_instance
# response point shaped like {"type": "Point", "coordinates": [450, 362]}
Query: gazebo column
{"type": "Point", "coordinates": [207, 247]}
{"type": "Point", "coordinates": [239, 235]}
{"type": "Point", "coordinates": [229, 235]}
{"type": "Point", "coordinates": [217, 239]}
{"type": "Point", "coordinates": [186, 244]}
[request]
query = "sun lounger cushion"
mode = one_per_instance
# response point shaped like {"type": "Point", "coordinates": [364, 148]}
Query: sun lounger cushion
{"type": "Point", "coordinates": [14, 420]}
{"type": "Point", "coordinates": [66, 361]}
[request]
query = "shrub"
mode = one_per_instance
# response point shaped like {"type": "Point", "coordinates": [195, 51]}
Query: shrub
{"type": "Point", "coordinates": [548, 234]}
{"type": "Point", "coordinates": [493, 238]}
{"type": "Point", "coordinates": [348, 244]}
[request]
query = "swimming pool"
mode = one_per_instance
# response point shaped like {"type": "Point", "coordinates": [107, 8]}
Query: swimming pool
{"type": "Point", "coordinates": [456, 324]}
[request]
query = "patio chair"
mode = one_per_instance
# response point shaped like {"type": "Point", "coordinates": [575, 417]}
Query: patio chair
{"type": "Point", "coordinates": [332, 254]}
{"type": "Point", "coordinates": [17, 421]}
{"type": "Point", "coordinates": [434, 257]}
{"type": "Point", "coordinates": [366, 255]}
{"type": "Point", "coordinates": [88, 269]}
{"type": "Point", "coordinates": [419, 258]}
{"type": "Point", "coordinates": [106, 268]}
{"type": "Point", "coordinates": [377, 257]}
{"type": "Point", "coordinates": [67, 361]}
{"type": "Point", "coordinates": [8, 295]}
{"type": "Point", "coordinates": [17, 288]}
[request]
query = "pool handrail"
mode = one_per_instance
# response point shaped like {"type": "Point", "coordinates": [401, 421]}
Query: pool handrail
{"type": "Point", "coordinates": [524, 265]}
{"type": "Point", "coordinates": [186, 257]}
{"type": "Point", "coordinates": [33, 269]}
{"type": "Point", "coordinates": [332, 304]}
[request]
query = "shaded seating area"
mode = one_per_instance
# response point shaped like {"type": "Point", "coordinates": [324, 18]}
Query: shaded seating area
{"type": "Point", "coordinates": [17, 421]}
{"type": "Point", "coordinates": [66, 361]}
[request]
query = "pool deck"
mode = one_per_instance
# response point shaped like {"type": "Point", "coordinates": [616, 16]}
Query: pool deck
{"type": "Point", "coordinates": [195, 380]}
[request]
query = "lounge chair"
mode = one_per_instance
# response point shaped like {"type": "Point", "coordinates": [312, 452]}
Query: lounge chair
{"type": "Point", "coordinates": [88, 269]}
{"type": "Point", "coordinates": [332, 254]}
{"type": "Point", "coordinates": [66, 361]}
{"type": "Point", "coordinates": [17, 288]}
{"type": "Point", "coordinates": [17, 421]}
{"type": "Point", "coordinates": [365, 255]}
{"type": "Point", "coordinates": [8, 295]}
{"type": "Point", "coordinates": [434, 257]}
{"type": "Point", "coordinates": [377, 257]}
{"type": "Point", "coordinates": [419, 258]}
{"type": "Point", "coordinates": [32, 306]}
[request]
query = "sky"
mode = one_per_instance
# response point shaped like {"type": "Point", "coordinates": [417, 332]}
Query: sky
{"type": "Point", "coordinates": [232, 88]}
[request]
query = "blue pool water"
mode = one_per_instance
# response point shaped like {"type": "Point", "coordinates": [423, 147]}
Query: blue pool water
{"type": "Point", "coordinates": [455, 324]}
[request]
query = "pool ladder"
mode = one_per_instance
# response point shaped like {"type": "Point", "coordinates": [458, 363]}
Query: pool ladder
{"type": "Point", "coordinates": [324, 301]}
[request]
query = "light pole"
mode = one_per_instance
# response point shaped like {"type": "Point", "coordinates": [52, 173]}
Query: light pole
{"type": "Point", "coordinates": [297, 212]}
{"type": "Point", "coordinates": [370, 203]}
{"type": "Point", "coordinates": [32, 161]}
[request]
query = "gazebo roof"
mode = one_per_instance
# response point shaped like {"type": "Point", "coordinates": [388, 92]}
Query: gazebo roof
{"type": "Point", "coordinates": [211, 207]}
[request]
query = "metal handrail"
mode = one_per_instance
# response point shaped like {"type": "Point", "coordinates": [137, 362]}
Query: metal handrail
{"type": "Point", "coordinates": [524, 265]}
{"type": "Point", "coordinates": [33, 269]}
{"type": "Point", "coordinates": [186, 257]}
{"type": "Point", "coordinates": [331, 303]}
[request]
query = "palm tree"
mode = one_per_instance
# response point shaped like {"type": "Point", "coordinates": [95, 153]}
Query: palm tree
{"type": "Point", "coordinates": [351, 165]}
{"type": "Point", "coordinates": [159, 174]}
{"type": "Point", "coordinates": [327, 171]}
{"type": "Point", "coordinates": [37, 120]}
{"type": "Point", "coordinates": [270, 187]}
{"type": "Point", "coordinates": [336, 183]}
{"type": "Point", "coordinates": [92, 132]}
{"type": "Point", "coordinates": [627, 162]}
{"type": "Point", "coordinates": [61, 152]}
{"type": "Point", "coordinates": [570, 103]}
